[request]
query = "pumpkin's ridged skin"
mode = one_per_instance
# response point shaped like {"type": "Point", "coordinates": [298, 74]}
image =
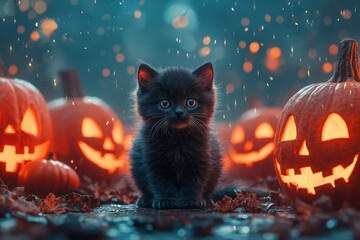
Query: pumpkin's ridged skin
{"type": "Point", "coordinates": [67, 116]}
{"type": "Point", "coordinates": [249, 121]}
{"type": "Point", "coordinates": [42, 177]}
{"type": "Point", "coordinates": [310, 107]}
{"type": "Point", "coordinates": [16, 97]}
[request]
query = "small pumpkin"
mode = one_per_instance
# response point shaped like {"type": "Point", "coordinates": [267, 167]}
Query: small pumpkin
{"type": "Point", "coordinates": [42, 177]}
{"type": "Point", "coordinates": [251, 143]}
{"type": "Point", "coordinates": [87, 133]}
{"type": "Point", "coordinates": [25, 126]}
{"type": "Point", "coordinates": [317, 143]}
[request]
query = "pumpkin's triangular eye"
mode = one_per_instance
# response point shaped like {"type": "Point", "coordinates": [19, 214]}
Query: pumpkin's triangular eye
{"type": "Point", "coordinates": [118, 132]}
{"type": "Point", "coordinates": [10, 129]}
{"type": "Point", "coordinates": [289, 132]}
{"type": "Point", "coordinates": [29, 123]}
{"type": "Point", "coordinates": [334, 127]}
{"type": "Point", "coordinates": [264, 130]}
{"type": "Point", "coordinates": [238, 135]}
{"type": "Point", "coordinates": [89, 128]}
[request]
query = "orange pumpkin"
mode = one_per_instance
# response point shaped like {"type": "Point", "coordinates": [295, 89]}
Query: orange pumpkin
{"type": "Point", "coordinates": [251, 143]}
{"type": "Point", "coordinates": [25, 126]}
{"type": "Point", "coordinates": [317, 143]}
{"type": "Point", "coordinates": [42, 177]}
{"type": "Point", "coordinates": [87, 133]}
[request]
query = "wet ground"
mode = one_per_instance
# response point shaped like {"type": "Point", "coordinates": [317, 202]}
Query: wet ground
{"type": "Point", "coordinates": [129, 222]}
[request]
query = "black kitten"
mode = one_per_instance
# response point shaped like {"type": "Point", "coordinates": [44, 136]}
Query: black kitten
{"type": "Point", "coordinates": [175, 159]}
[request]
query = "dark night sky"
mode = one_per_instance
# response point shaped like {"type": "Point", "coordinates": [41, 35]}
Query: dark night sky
{"type": "Point", "coordinates": [106, 40]}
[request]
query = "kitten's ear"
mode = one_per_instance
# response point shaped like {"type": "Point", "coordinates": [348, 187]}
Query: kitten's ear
{"type": "Point", "coordinates": [146, 74]}
{"type": "Point", "coordinates": [205, 74]}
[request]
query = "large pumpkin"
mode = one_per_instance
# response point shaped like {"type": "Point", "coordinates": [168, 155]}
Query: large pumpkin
{"type": "Point", "coordinates": [87, 133]}
{"type": "Point", "coordinates": [25, 126]}
{"type": "Point", "coordinates": [317, 143]}
{"type": "Point", "coordinates": [252, 143]}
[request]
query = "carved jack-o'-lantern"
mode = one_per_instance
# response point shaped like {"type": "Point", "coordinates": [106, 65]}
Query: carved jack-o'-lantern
{"type": "Point", "coordinates": [251, 143]}
{"type": "Point", "coordinates": [87, 133]}
{"type": "Point", "coordinates": [317, 143]}
{"type": "Point", "coordinates": [25, 126]}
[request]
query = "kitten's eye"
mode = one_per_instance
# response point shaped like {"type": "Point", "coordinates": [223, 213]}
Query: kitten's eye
{"type": "Point", "coordinates": [191, 103]}
{"type": "Point", "coordinates": [164, 104]}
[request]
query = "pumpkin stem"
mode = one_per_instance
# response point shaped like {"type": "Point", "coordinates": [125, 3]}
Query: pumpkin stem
{"type": "Point", "coordinates": [347, 67]}
{"type": "Point", "coordinates": [3, 72]}
{"type": "Point", "coordinates": [51, 156]}
{"type": "Point", "coordinates": [71, 84]}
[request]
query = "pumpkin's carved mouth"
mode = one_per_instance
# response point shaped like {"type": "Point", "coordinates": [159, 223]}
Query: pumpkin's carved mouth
{"type": "Point", "coordinates": [309, 180]}
{"type": "Point", "coordinates": [255, 156]}
{"type": "Point", "coordinates": [11, 158]}
{"type": "Point", "coordinates": [108, 161]}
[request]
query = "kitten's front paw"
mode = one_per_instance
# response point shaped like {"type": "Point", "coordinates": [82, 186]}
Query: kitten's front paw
{"type": "Point", "coordinates": [144, 202]}
{"type": "Point", "coordinates": [164, 203]}
{"type": "Point", "coordinates": [191, 203]}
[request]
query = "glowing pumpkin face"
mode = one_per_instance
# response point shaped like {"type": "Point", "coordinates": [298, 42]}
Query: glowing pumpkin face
{"type": "Point", "coordinates": [25, 127]}
{"type": "Point", "coordinates": [317, 143]}
{"type": "Point", "coordinates": [251, 142]}
{"type": "Point", "coordinates": [88, 136]}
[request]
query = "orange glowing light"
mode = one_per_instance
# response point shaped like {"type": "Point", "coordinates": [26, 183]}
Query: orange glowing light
{"type": "Point", "coordinates": [273, 64]}
{"type": "Point", "coordinates": [40, 7]}
{"type": "Point", "coordinates": [346, 14]}
{"type": "Point", "coordinates": [333, 49]}
{"type": "Point", "coordinates": [24, 5]}
{"type": "Point", "coordinates": [48, 26]}
{"type": "Point", "coordinates": [274, 52]}
{"type": "Point", "coordinates": [247, 66]}
{"type": "Point", "coordinates": [252, 157]}
{"type": "Point", "coordinates": [107, 161]}
{"type": "Point", "coordinates": [12, 158]}
{"type": "Point", "coordinates": [245, 22]}
{"type": "Point", "coordinates": [254, 47]}
{"type": "Point", "coordinates": [264, 130]}
{"type": "Point", "coordinates": [29, 124]}
{"type": "Point", "coordinates": [106, 72]}
{"type": "Point", "coordinates": [290, 131]}
{"type": "Point", "coordinates": [303, 149]}
{"type": "Point", "coordinates": [180, 22]}
{"type": "Point", "coordinates": [118, 133]}
{"type": "Point", "coordinates": [301, 73]}
{"type": "Point", "coordinates": [90, 129]}
{"type": "Point", "coordinates": [10, 129]}
{"type": "Point", "coordinates": [237, 136]}
{"type": "Point", "coordinates": [120, 57]}
{"type": "Point", "coordinates": [137, 14]}
{"type": "Point", "coordinates": [267, 17]}
{"type": "Point", "coordinates": [205, 51]}
{"type": "Point", "coordinates": [248, 145]}
{"type": "Point", "coordinates": [206, 40]}
{"type": "Point", "coordinates": [230, 88]}
{"type": "Point", "coordinates": [312, 53]}
{"type": "Point", "coordinates": [20, 29]}
{"type": "Point", "coordinates": [242, 44]}
{"type": "Point", "coordinates": [130, 70]}
{"type": "Point", "coordinates": [334, 127]}
{"type": "Point", "coordinates": [108, 144]}
{"type": "Point", "coordinates": [309, 180]}
{"type": "Point", "coordinates": [13, 70]}
{"type": "Point", "coordinates": [35, 36]}
{"type": "Point", "coordinates": [327, 67]}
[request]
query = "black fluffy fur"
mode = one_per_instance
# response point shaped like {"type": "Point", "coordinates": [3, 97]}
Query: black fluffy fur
{"type": "Point", "coordinates": [176, 160]}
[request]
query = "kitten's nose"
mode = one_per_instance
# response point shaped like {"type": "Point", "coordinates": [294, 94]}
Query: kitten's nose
{"type": "Point", "coordinates": [179, 112]}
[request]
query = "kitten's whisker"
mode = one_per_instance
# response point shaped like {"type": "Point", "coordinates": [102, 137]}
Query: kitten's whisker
{"type": "Point", "coordinates": [152, 131]}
